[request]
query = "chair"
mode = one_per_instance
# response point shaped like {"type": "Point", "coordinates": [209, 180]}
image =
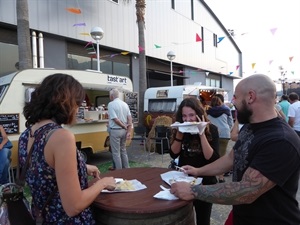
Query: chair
{"type": "Point", "coordinates": [11, 174]}
{"type": "Point", "coordinates": [139, 134]}
{"type": "Point", "coordinates": [161, 138]}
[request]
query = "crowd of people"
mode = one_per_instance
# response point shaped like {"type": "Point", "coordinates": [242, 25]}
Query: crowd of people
{"type": "Point", "coordinates": [265, 159]}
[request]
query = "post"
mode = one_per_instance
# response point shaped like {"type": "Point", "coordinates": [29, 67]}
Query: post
{"type": "Point", "coordinates": [98, 56]}
{"type": "Point", "coordinates": [171, 73]}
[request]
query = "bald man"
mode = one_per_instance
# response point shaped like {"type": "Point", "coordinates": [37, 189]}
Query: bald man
{"type": "Point", "coordinates": [265, 161]}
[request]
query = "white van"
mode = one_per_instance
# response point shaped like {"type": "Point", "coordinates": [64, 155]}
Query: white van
{"type": "Point", "coordinates": [90, 130]}
{"type": "Point", "coordinates": [164, 101]}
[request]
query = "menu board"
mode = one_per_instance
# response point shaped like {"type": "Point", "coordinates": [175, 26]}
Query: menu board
{"type": "Point", "coordinates": [131, 98]}
{"type": "Point", "coordinates": [10, 123]}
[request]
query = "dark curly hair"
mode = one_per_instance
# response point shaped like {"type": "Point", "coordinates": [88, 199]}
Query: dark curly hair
{"type": "Point", "coordinates": [196, 105]}
{"type": "Point", "coordinates": [57, 97]}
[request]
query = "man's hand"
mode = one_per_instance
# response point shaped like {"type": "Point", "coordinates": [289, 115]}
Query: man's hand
{"type": "Point", "coordinates": [190, 170]}
{"type": "Point", "coordinates": [182, 190]}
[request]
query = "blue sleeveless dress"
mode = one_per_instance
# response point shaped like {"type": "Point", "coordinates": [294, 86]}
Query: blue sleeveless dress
{"type": "Point", "coordinates": [40, 177]}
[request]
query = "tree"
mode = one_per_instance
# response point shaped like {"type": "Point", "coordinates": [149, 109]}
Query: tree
{"type": "Point", "coordinates": [140, 6]}
{"type": "Point", "coordinates": [23, 32]}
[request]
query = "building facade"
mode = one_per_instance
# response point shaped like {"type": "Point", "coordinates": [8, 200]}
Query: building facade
{"type": "Point", "coordinates": [205, 51]}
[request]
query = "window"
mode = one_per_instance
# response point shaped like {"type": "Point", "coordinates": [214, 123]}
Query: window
{"type": "Point", "coordinates": [9, 57]}
{"type": "Point", "coordinates": [215, 38]}
{"type": "Point", "coordinates": [202, 42]}
{"type": "Point", "coordinates": [173, 4]}
{"type": "Point", "coordinates": [162, 105]}
{"type": "Point", "coordinates": [192, 9]}
{"type": "Point", "coordinates": [78, 62]}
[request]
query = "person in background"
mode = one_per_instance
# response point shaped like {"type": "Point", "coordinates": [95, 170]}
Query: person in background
{"type": "Point", "coordinates": [56, 167]}
{"type": "Point", "coordinates": [120, 125]}
{"type": "Point", "coordinates": [220, 116]}
{"type": "Point", "coordinates": [196, 149]}
{"type": "Point", "coordinates": [265, 161]}
{"type": "Point", "coordinates": [279, 111]}
{"type": "Point", "coordinates": [294, 112]}
{"type": "Point", "coordinates": [284, 104]}
{"type": "Point", "coordinates": [5, 154]}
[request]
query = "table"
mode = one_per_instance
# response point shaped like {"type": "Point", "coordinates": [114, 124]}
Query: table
{"type": "Point", "coordinates": [140, 207]}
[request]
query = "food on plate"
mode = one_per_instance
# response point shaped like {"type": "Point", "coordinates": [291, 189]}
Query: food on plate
{"type": "Point", "coordinates": [125, 186]}
{"type": "Point", "coordinates": [182, 179]}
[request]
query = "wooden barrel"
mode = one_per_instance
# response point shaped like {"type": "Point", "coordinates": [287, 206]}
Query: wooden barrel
{"type": "Point", "coordinates": [180, 216]}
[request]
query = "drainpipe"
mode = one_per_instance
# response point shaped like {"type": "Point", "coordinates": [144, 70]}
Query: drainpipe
{"type": "Point", "coordinates": [41, 50]}
{"type": "Point", "coordinates": [34, 50]}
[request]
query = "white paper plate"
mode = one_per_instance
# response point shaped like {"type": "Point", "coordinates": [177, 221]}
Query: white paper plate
{"type": "Point", "coordinates": [185, 124]}
{"type": "Point", "coordinates": [177, 176]}
{"type": "Point", "coordinates": [136, 184]}
{"type": "Point", "coordinates": [188, 127]}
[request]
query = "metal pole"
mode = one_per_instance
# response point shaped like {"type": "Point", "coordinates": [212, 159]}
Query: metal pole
{"type": "Point", "coordinates": [98, 57]}
{"type": "Point", "coordinates": [171, 73]}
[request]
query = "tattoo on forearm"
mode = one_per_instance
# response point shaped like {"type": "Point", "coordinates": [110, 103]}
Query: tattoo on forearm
{"type": "Point", "coordinates": [246, 191]}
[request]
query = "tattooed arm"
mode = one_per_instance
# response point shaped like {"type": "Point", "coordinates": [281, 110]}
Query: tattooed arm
{"type": "Point", "coordinates": [252, 185]}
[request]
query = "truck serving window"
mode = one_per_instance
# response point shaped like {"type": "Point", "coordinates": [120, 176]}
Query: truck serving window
{"type": "Point", "coordinates": [162, 105]}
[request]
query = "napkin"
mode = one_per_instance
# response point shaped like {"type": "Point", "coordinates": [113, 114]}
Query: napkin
{"type": "Point", "coordinates": [165, 195]}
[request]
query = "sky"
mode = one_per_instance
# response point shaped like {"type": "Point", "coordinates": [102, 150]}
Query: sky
{"type": "Point", "coordinates": [266, 31]}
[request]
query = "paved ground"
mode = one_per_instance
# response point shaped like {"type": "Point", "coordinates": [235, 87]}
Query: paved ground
{"type": "Point", "coordinates": [136, 153]}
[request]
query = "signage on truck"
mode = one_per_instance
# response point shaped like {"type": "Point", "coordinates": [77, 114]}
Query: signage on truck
{"type": "Point", "coordinates": [111, 79]}
{"type": "Point", "coordinates": [162, 93]}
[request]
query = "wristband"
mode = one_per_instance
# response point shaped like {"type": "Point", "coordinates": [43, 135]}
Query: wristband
{"type": "Point", "coordinates": [176, 139]}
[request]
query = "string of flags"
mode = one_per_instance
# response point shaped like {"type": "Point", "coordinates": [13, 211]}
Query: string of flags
{"type": "Point", "coordinates": [91, 49]}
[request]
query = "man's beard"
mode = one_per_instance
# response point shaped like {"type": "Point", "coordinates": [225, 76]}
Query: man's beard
{"type": "Point", "coordinates": [244, 114]}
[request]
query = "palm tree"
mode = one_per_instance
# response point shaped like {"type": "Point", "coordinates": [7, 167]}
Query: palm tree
{"type": "Point", "coordinates": [140, 6]}
{"type": "Point", "coordinates": [24, 47]}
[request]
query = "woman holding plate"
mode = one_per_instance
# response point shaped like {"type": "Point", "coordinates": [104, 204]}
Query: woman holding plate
{"type": "Point", "coordinates": [196, 149]}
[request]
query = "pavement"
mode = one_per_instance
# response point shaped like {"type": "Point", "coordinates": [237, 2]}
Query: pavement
{"type": "Point", "coordinates": [137, 153]}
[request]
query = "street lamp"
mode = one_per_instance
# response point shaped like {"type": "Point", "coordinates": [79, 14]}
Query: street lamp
{"type": "Point", "coordinates": [171, 56]}
{"type": "Point", "coordinates": [97, 34]}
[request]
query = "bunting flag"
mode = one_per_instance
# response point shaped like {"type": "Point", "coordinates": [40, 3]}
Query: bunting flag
{"type": "Point", "coordinates": [270, 62]}
{"type": "Point", "coordinates": [291, 58]}
{"type": "Point", "coordinates": [180, 71]}
{"type": "Point", "coordinates": [85, 34]}
{"type": "Point", "coordinates": [113, 55]}
{"type": "Point", "coordinates": [157, 46]}
{"type": "Point", "coordinates": [273, 30]}
{"type": "Point", "coordinates": [253, 65]}
{"type": "Point", "coordinates": [141, 49]}
{"type": "Point", "coordinates": [198, 38]}
{"type": "Point", "coordinates": [79, 25]}
{"type": "Point", "coordinates": [220, 39]}
{"type": "Point", "coordinates": [89, 43]}
{"type": "Point", "coordinates": [237, 67]}
{"type": "Point", "coordinates": [74, 10]}
{"type": "Point", "coordinates": [206, 73]}
{"type": "Point", "coordinates": [292, 72]}
{"type": "Point", "coordinates": [124, 53]}
{"type": "Point", "coordinates": [230, 73]}
{"type": "Point", "coordinates": [92, 48]}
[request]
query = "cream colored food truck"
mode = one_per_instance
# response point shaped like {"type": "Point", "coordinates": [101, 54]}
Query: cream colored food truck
{"type": "Point", "coordinates": [164, 101]}
{"type": "Point", "coordinates": [91, 127]}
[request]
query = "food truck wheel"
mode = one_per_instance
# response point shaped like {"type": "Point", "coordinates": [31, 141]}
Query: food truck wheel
{"type": "Point", "coordinates": [86, 154]}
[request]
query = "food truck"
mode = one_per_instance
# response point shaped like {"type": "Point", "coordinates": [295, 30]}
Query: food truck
{"type": "Point", "coordinates": [91, 128]}
{"type": "Point", "coordinates": [164, 101]}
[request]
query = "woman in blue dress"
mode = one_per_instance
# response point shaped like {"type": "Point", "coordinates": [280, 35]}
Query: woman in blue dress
{"type": "Point", "coordinates": [56, 165]}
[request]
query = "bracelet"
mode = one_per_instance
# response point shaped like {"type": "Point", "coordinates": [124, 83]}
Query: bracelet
{"type": "Point", "coordinates": [176, 139]}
